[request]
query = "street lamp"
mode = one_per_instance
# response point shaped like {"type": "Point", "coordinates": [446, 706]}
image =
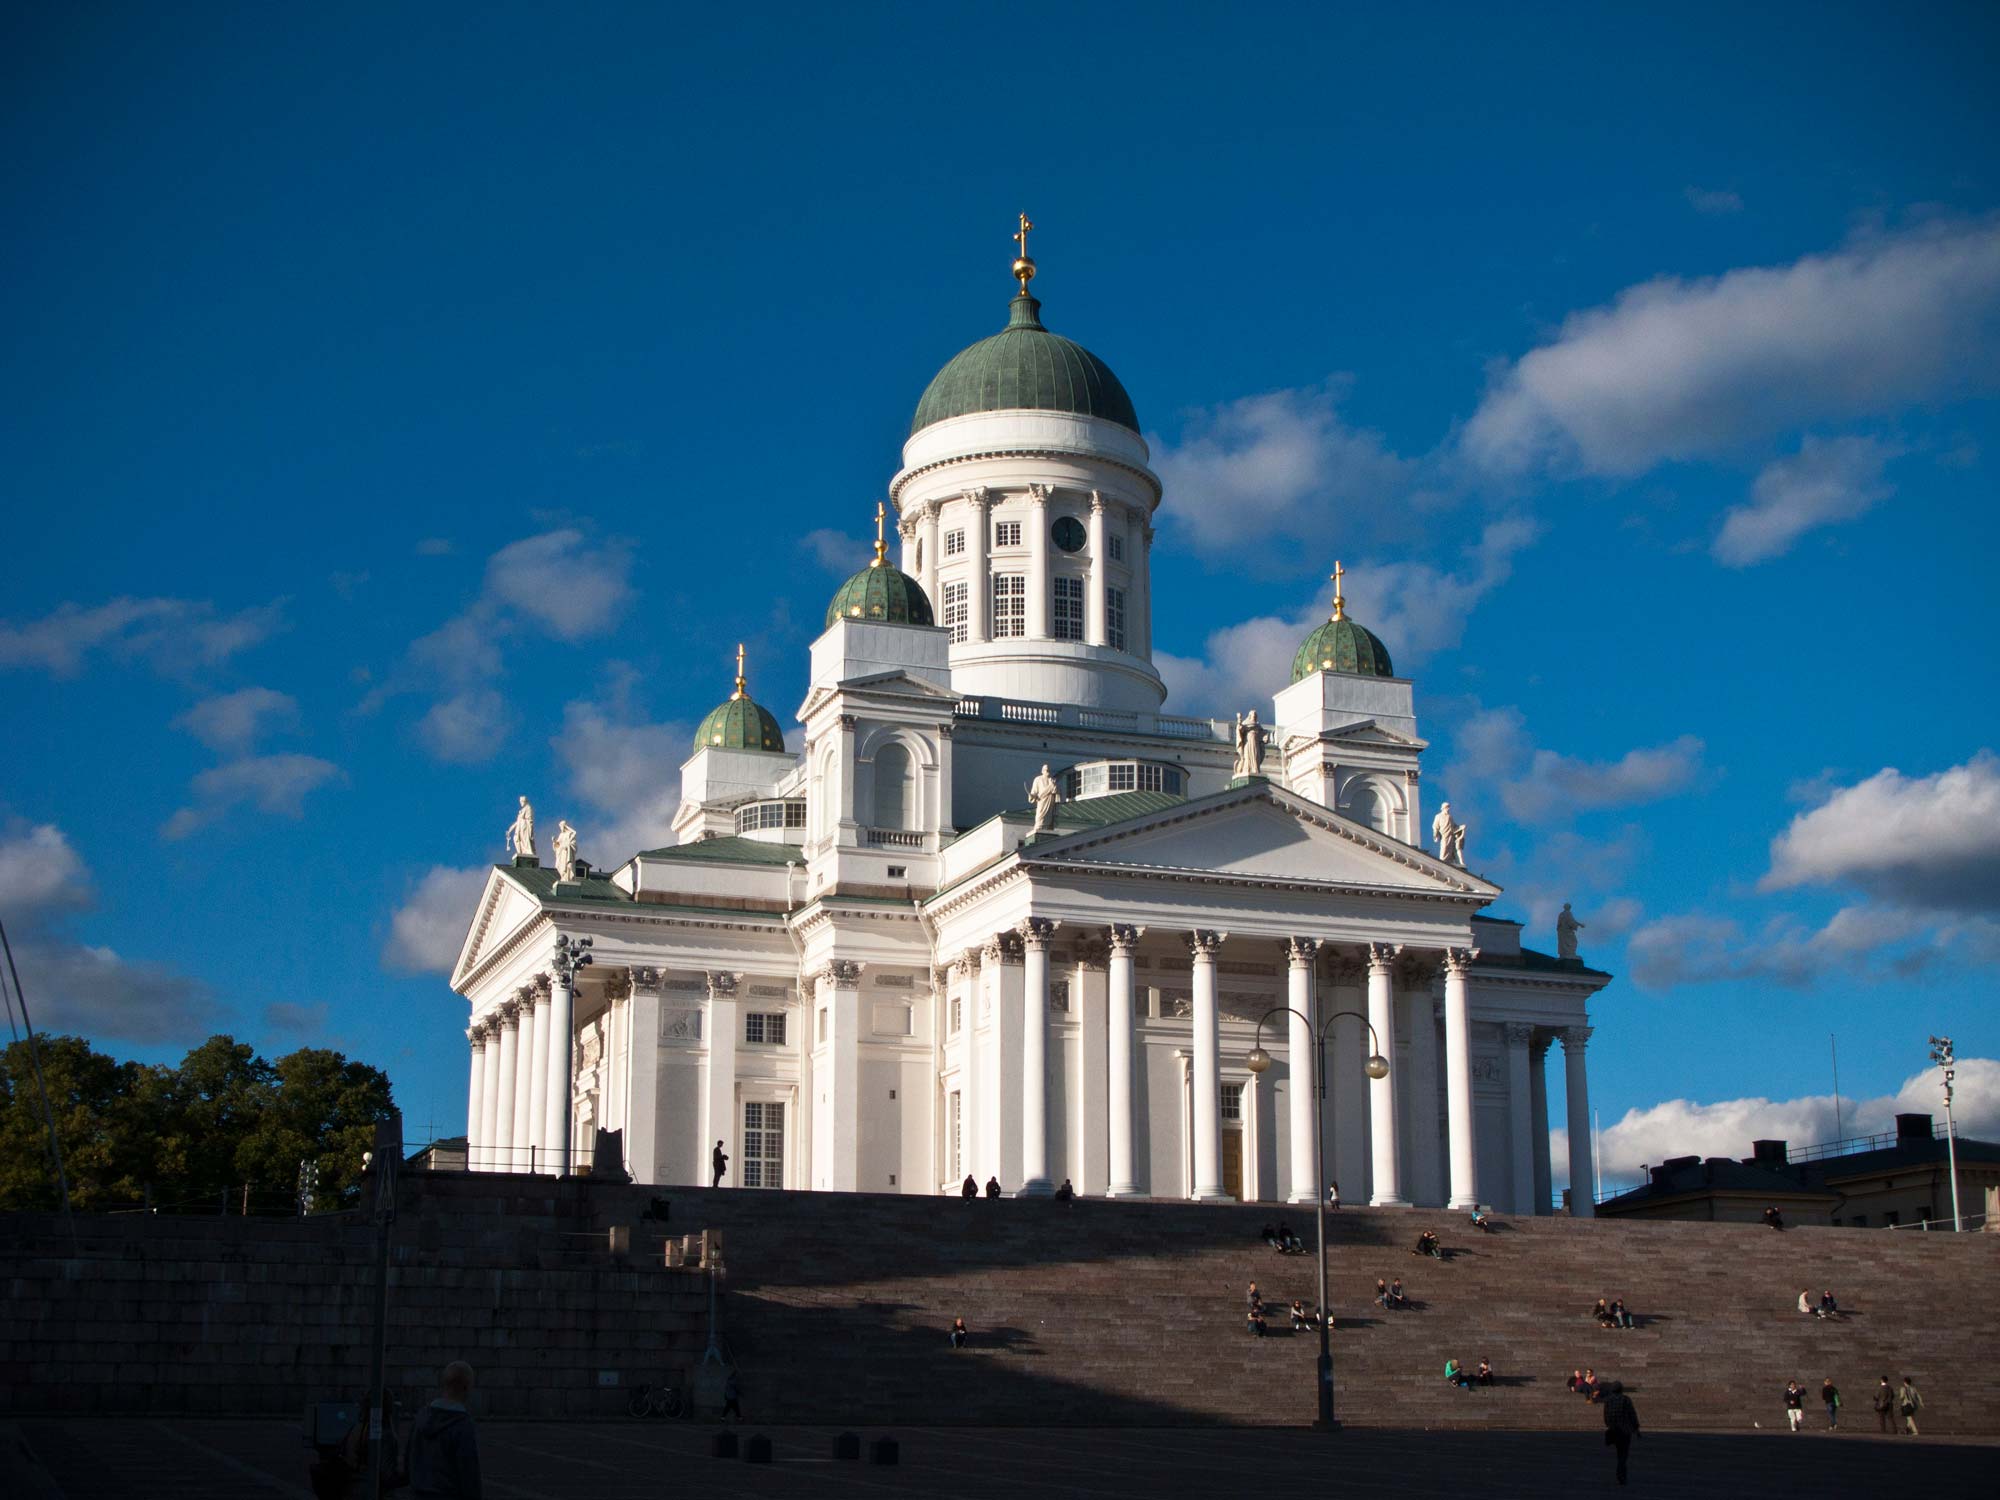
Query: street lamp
{"type": "Point", "coordinates": [1941, 1054]}
{"type": "Point", "coordinates": [1377, 1066]}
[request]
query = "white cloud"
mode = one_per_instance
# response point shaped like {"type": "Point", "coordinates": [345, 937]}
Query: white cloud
{"type": "Point", "coordinates": [429, 928]}
{"type": "Point", "coordinates": [1701, 948]}
{"type": "Point", "coordinates": [1828, 481]}
{"type": "Point", "coordinates": [40, 873]}
{"type": "Point", "coordinates": [234, 722]}
{"type": "Point", "coordinates": [570, 587]}
{"type": "Point", "coordinates": [836, 551]}
{"type": "Point", "coordinates": [294, 1019]}
{"type": "Point", "coordinates": [173, 636]}
{"type": "Point", "coordinates": [1927, 842]}
{"type": "Point", "coordinates": [1536, 786]}
{"type": "Point", "coordinates": [1681, 1127]}
{"type": "Point", "coordinates": [1417, 610]}
{"type": "Point", "coordinates": [1281, 464]}
{"type": "Point", "coordinates": [466, 728]}
{"type": "Point", "coordinates": [1714, 200]}
{"type": "Point", "coordinates": [627, 772]}
{"type": "Point", "coordinates": [1676, 369]}
{"type": "Point", "coordinates": [275, 784]}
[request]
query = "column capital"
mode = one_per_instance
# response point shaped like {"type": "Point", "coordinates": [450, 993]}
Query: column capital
{"type": "Point", "coordinates": [1575, 1038]}
{"type": "Point", "coordinates": [1203, 942]}
{"type": "Point", "coordinates": [722, 984]}
{"type": "Point", "coordinates": [540, 985]}
{"type": "Point", "coordinates": [643, 977]}
{"type": "Point", "coordinates": [1518, 1033]}
{"type": "Point", "coordinates": [1093, 953]}
{"type": "Point", "coordinates": [1038, 493]}
{"type": "Point", "coordinates": [1035, 932]}
{"type": "Point", "coordinates": [1096, 503]}
{"type": "Point", "coordinates": [1125, 938]}
{"type": "Point", "coordinates": [617, 987]}
{"type": "Point", "coordinates": [510, 1013]}
{"type": "Point", "coordinates": [1299, 951]}
{"type": "Point", "coordinates": [1459, 960]}
{"type": "Point", "coordinates": [476, 1034]}
{"type": "Point", "coordinates": [1382, 957]}
{"type": "Point", "coordinates": [1002, 948]}
{"type": "Point", "coordinates": [529, 997]}
{"type": "Point", "coordinates": [965, 964]}
{"type": "Point", "coordinates": [978, 495]}
{"type": "Point", "coordinates": [841, 973]}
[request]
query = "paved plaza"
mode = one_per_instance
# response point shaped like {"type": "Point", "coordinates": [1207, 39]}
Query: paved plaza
{"type": "Point", "coordinates": [217, 1459]}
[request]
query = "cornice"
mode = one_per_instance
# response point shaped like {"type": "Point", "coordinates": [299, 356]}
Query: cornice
{"type": "Point", "coordinates": [906, 477]}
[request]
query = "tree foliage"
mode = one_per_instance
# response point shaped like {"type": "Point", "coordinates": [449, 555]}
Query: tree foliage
{"type": "Point", "coordinates": [223, 1119]}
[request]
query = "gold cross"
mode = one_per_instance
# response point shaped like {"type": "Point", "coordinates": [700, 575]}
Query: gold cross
{"type": "Point", "coordinates": [739, 669]}
{"type": "Point", "coordinates": [1339, 603]}
{"type": "Point", "coordinates": [1021, 235]}
{"type": "Point", "coordinates": [881, 548]}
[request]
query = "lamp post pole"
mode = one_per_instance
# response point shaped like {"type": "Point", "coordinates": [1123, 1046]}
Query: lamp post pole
{"type": "Point", "coordinates": [1377, 1067]}
{"type": "Point", "coordinates": [1941, 1054]}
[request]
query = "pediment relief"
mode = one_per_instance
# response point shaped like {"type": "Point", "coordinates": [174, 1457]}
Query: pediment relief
{"type": "Point", "coordinates": [504, 908]}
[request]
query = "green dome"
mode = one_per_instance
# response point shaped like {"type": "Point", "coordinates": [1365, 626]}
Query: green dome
{"type": "Point", "coordinates": [1024, 366]}
{"type": "Point", "coordinates": [740, 724]}
{"type": "Point", "coordinates": [1340, 645]}
{"type": "Point", "coordinates": [881, 592]}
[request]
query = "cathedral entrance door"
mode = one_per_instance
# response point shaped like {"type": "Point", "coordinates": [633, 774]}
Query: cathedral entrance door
{"type": "Point", "coordinates": [1232, 1164]}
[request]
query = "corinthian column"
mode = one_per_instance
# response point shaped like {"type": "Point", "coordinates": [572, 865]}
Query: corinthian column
{"type": "Point", "coordinates": [1037, 525]}
{"type": "Point", "coordinates": [489, 1098]}
{"type": "Point", "coordinates": [1458, 1077]}
{"type": "Point", "coordinates": [1035, 933]}
{"type": "Point", "coordinates": [1303, 1060]}
{"type": "Point", "coordinates": [1118, 1058]}
{"type": "Point", "coordinates": [1582, 1179]}
{"type": "Point", "coordinates": [1521, 1116]}
{"type": "Point", "coordinates": [1388, 1186]}
{"type": "Point", "coordinates": [535, 1054]}
{"type": "Point", "coordinates": [502, 1153]}
{"type": "Point", "coordinates": [1207, 1080]}
{"type": "Point", "coordinates": [475, 1094]}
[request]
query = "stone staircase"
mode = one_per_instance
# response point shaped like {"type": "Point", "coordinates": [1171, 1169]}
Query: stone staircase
{"type": "Point", "coordinates": [1091, 1312]}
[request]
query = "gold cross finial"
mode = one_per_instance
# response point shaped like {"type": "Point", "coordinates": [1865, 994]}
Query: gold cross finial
{"type": "Point", "coordinates": [1024, 268]}
{"type": "Point", "coordinates": [881, 547]}
{"type": "Point", "coordinates": [739, 671]}
{"type": "Point", "coordinates": [1339, 601]}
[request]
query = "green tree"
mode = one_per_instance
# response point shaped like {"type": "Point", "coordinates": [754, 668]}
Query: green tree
{"type": "Point", "coordinates": [323, 1110]}
{"type": "Point", "coordinates": [101, 1121]}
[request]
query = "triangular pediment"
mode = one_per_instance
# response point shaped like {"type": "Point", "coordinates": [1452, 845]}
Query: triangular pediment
{"type": "Point", "coordinates": [1261, 832]}
{"type": "Point", "coordinates": [891, 684]}
{"type": "Point", "coordinates": [504, 908]}
{"type": "Point", "coordinates": [1370, 732]}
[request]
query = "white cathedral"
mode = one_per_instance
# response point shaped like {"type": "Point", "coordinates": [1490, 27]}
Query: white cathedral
{"type": "Point", "coordinates": [1004, 918]}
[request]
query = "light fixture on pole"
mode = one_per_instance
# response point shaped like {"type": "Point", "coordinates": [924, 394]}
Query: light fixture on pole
{"type": "Point", "coordinates": [1941, 1054]}
{"type": "Point", "coordinates": [1377, 1066]}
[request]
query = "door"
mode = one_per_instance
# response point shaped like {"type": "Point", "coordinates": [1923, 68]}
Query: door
{"type": "Point", "coordinates": [1232, 1164]}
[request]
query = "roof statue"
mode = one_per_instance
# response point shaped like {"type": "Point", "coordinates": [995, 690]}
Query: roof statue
{"type": "Point", "coordinates": [1567, 927]}
{"type": "Point", "coordinates": [521, 832]}
{"type": "Point", "coordinates": [565, 850]}
{"type": "Point", "coordinates": [1044, 793]}
{"type": "Point", "coordinates": [1450, 836]}
{"type": "Point", "coordinates": [1250, 738]}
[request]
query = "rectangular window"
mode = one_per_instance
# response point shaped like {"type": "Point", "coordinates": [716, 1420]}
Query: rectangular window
{"type": "Point", "coordinates": [1006, 533]}
{"type": "Point", "coordinates": [1066, 609]}
{"type": "Point", "coordinates": [955, 1115]}
{"type": "Point", "coordinates": [957, 617]}
{"type": "Point", "coordinates": [1124, 776]}
{"type": "Point", "coordinates": [764, 1028]}
{"type": "Point", "coordinates": [1232, 1103]}
{"type": "Point", "coordinates": [763, 1145]}
{"type": "Point", "coordinates": [795, 815]}
{"type": "Point", "coordinates": [1059, 994]}
{"type": "Point", "coordinates": [957, 1013]}
{"type": "Point", "coordinates": [1117, 546]}
{"type": "Point", "coordinates": [822, 1025]}
{"type": "Point", "coordinates": [1010, 605]}
{"type": "Point", "coordinates": [954, 543]}
{"type": "Point", "coordinates": [1114, 618]}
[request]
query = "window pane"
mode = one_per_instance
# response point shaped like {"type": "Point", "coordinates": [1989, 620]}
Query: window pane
{"type": "Point", "coordinates": [1066, 609]}
{"type": "Point", "coordinates": [1010, 605]}
{"type": "Point", "coordinates": [1114, 618]}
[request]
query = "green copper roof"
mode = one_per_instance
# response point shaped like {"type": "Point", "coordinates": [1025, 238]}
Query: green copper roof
{"type": "Point", "coordinates": [1025, 366]}
{"type": "Point", "coordinates": [740, 724]}
{"type": "Point", "coordinates": [881, 592]}
{"type": "Point", "coordinates": [730, 849]}
{"type": "Point", "coordinates": [1342, 646]}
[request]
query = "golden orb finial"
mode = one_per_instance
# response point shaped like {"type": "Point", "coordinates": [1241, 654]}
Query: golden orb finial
{"type": "Point", "coordinates": [1339, 600]}
{"type": "Point", "coordinates": [1024, 268]}
{"type": "Point", "coordinates": [881, 547]}
{"type": "Point", "coordinates": [739, 673]}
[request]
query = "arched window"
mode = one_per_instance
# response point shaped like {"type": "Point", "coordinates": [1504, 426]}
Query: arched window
{"type": "Point", "coordinates": [895, 787]}
{"type": "Point", "coordinates": [1365, 805]}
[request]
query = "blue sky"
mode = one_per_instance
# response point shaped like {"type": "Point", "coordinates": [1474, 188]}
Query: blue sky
{"type": "Point", "coordinates": [410, 408]}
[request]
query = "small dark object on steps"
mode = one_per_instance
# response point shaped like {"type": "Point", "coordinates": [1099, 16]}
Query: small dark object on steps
{"type": "Point", "coordinates": [722, 1445]}
{"type": "Point", "coordinates": [757, 1449]}
{"type": "Point", "coordinates": [885, 1451]}
{"type": "Point", "coordinates": [847, 1446]}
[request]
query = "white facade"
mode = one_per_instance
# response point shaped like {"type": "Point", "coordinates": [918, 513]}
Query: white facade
{"type": "Point", "coordinates": [861, 969]}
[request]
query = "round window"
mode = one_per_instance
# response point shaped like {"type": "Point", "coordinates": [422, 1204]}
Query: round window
{"type": "Point", "coordinates": [1068, 533]}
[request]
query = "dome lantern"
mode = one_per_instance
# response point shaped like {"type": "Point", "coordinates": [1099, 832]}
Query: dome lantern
{"type": "Point", "coordinates": [741, 723]}
{"type": "Point", "coordinates": [1341, 645]}
{"type": "Point", "coordinates": [881, 592]}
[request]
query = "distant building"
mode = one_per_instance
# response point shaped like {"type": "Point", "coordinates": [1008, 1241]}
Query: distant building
{"type": "Point", "coordinates": [1871, 1182]}
{"type": "Point", "coordinates": [448, 1155]}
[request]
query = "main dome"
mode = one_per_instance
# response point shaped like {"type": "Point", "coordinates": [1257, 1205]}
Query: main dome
{"type": "Point", "coordinates": [1025, 367]}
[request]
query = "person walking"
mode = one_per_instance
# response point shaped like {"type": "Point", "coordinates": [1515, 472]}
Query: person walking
{"type": "Point", "coordinates": [718, 1164]}
{"type": "Point", "coordinates": [732, 1398]}
{"type": "Point", "coordinates": [1885, 1406]}
{"type": "Point", "coordinates": [1621, 1423]}
{"type": "Point", "coordinates": [444, 1452]}
{"type": "Point", "coordinates": [1795, 1403]}
{"type": "Point", "coordinates": [1909, 1403]}
{"type": "Point", "coordinates": [1830, 1394]}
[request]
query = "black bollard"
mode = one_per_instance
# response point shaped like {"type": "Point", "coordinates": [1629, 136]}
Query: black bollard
{"type": "Point", "coordinates": [757, 1449]}
{"type": "Point", "coordinates": [722, 1445]}
{"type": "Point", "coordinates": [847, 1446]}
{"type": "Point", "coordinates": [884, 1450]}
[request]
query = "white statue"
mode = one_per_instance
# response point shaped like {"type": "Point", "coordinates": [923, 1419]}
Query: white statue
{"type": "Point", "coordinates": [1567, 928]}
{"type": "Point", "coordinates": [1450, 836]}
{"type": "Point", "coordinates": [1250, 738]}
{"type": "Point", "coordinates": [521, 832]}
{"type": "Point", "coordinates": [565, 847]}
{"type": "Point", "coordinates": [1044, 793]}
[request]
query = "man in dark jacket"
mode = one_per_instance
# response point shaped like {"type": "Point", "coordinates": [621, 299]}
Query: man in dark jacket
{"type": "Point", "coordinates": [444, 1453]}
{"type": "Point", "coordinates": [1621, 1423]}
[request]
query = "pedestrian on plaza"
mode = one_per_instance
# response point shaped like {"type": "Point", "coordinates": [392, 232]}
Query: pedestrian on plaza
{"type": "Point", "coordinates": [1333, 1195]}
{"type": "Point", "coordinates": [732, 1398]}
{"type": "Point", "coordinates": [1909, 1403]}
{"type": "Point", "coordinates": [444, 1452]}
{"type": "Point", "coordinates": [1795, 1403]}
{"type": "Point", "coordinates": [717, 1164]}
{"type": "Point", "coordinates": [1621, 1423]}
{"type": "Point", "coordinates": [1830, 1394]}
{"type": "Point", "coordinates": [1885, 1405]}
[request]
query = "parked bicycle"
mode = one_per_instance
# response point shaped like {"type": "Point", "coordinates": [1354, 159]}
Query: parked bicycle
{"type": "Point", "coordinates": [656, 1401]}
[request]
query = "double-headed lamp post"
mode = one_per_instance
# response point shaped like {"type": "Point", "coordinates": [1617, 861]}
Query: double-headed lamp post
{"type": "Point", "coordinates": [1941, 1054]}
{"type": "Point", "coordinates": [1377, 1067]}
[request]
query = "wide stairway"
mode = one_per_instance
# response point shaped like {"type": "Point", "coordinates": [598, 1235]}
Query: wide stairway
{"type": "Point", "coordinates": [836, 1306]}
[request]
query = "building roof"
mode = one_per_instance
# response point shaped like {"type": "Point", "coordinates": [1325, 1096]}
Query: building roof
{"type": "Point", "coordinates": [1024, 366]}
{"type": "Point", "coordinates": [540, 882]}
{"type": "Point", "coordinates": [1341, 645]}
{"type": "Point", "coordinates": [740, 723]}
{"type": "Point", "coordinates": [1097, 812]}
{"type": "Point", "coordinates": [1690, 1177]}
{"type": "Point", "coordinates": [729, 849]}
{"type": "Point", "coordinates": [884, 593]}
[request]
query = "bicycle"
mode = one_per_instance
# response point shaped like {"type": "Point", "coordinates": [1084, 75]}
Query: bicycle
{"type": "Point", "coordinates": [656, 1401]}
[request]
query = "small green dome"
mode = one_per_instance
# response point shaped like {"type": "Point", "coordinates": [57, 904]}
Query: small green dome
{"type": "Point", "coordinates": [1340, 645]}
{"type": "Point", "coordinates": [1024, 366]}
{"type": "Point", "coordinates": [740, 724]}
{"type": "Point", "coordinates": [881, 592]}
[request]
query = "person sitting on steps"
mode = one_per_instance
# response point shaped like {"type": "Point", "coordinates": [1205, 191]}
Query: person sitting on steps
{"type": "Point", "coordinates": [992, 1187]}
{"type": "Point", "coordinates": [1619, 1317]}
{"type": "Point", "coordinates": [1773, 1218]}
{"type": "Point", "coordinates": [970, 1188]}
{"type": "Point", "coordinates": [1289, 1242]}
{"type": "Point", "coordinates": [1255, 1323]}
{"type": "Point", "coordinates": [1484, 1374]}
{"type": "Point", "coordinates": [1481, 1220]}
{"type": "Point", "coordinates": [1427, 1244]}
{"type": "Point", "coordinates": [1270, 1237]}
{"type": "Point", "coordinates": [1455, 1374]}
{"type": "Point", "coordinates": [959, 1334]}
{"type": "Point", "coordinates": [1828, 1308]}
{"type": "Point", "coordinates": [1067, 1192]}
{"type": "Point", "coordinates": [1592, 1388]}
{"type": "Point", "coordinates": [1300, 1318]}
{"type": "Point", "coordinates": [1575, 1381]}
{"type": "Point", "coordinates": [1807, 1308]}
{"type": "Point", "coordinates": [1396, 1297]}
{"type": "Point", "coordinates": [1381, 1292]}
{"type": "Point", "coordinates": [1602, 1312]}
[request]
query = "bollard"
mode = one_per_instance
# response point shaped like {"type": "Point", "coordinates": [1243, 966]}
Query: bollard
{"type": "Point", "coordinates": [722, 1445]}
{"type": "Point", "coordinates": [757, 1449]}
{"type": "Point", "coordinates": [847, 1446]}
{"type": "Point", "coordinates": [884, 1451]}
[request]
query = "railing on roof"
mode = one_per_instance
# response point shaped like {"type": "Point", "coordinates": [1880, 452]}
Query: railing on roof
{"type": "Point", "coordinates": [1968, 1221]}
{"type": "Point", "coordinates": [1857, 1143]}
{"type": "Point", "coordinates": [894, 838]}
{"type": "Point", "coordinates": [1120, 721]}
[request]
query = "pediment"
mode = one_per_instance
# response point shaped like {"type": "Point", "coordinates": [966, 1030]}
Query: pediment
{"type": "Point", "coordinates": [893, 684]}
{"type": "Point", "coordinates": [1370, 732]}
{"type": "Point", "coordinates": [1261, 833]}
{"type": "Point", "coordinates": [504, 908]}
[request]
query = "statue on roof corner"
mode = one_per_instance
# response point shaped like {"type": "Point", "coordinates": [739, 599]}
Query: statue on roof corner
{"type": "Point", "coordinates": [1250, 738]}
{"type": "Point", "coordinates": [521, 832]}
{"type": "Point", "coordinates": [1567, 928]}
{"type": "Point", "coordinates": [1450, 836]}
{"type": "Point", "coordinates": [565, 847]}
{"type": "Point", "coordinates": [1044, 793]}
